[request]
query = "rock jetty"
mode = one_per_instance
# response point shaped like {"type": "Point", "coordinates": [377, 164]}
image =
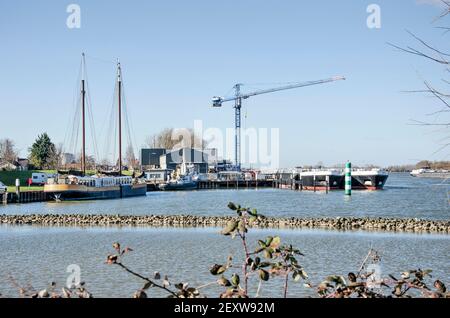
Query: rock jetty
{"type": "Point", "coordinates": [190, 221]}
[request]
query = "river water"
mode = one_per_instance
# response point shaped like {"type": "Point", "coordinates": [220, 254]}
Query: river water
{"type": "Point", "coordinates": [39, 255]}
{"type": "Point", "coordinates": [403, 197]}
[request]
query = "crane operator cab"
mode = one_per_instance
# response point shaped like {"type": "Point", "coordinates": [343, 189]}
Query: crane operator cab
{"type": "Point", "coordinates": [217, 101]}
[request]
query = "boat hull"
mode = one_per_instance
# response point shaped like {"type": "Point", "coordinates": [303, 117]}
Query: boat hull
{"type": "Point", "coordinates": [369, 182]}
{"type": "Point", "coordinates": [321, 182]}
{"type": "Point", "coordinates": [73, 192]}
{"type": "Point", "coordinates": [178, 187]}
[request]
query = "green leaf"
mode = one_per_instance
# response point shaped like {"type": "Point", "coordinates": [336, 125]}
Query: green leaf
{"type": "Point", "coordinates": [296, 276]}
{"type": "Point", "coordinates": [269, 240]}
{"type": "Point", "coordinates": [235, 280]}
{"type": "Point", "coordinates": [303, 274]}
{"type": "Point", "coordinates": [231, 226]}
{"type": "Point", "coordinates": [217, 269]}
{"type": "Point", "coordinates": [222, 281]}
{"type": "Point", "coordinates": [241, 226]}
{"type": "Point", "coordinates": [232, 206]}
{"type": "Point", "coordinates": [338, 280]}
{"type": "Point", "coordinates": [263, 275]}
{"type": "Point", "coordinates": [147, 286]}
{"type": "Point", "coordinates": [268, 253]}
{"type": "Point", "coordinates": [275, 242]}
{"type": "Point", "coordinates": [262, 243]}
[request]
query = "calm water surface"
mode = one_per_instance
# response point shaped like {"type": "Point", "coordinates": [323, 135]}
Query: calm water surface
{"type": "Point", "coordinates": [39, 255]}
{"type": "Point", "coordinates": [403, 196]}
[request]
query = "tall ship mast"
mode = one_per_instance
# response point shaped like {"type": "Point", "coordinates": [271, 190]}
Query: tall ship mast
{"type": "Point", "coordinates": [72, 186]}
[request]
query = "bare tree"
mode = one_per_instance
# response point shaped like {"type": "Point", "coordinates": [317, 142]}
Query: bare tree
{"type": "Point", "coordinates": [435, 55]}
{"type": "Point", "coordinates": [130, 158]}
{"type": "Point", "coordinates": [8, 150]}
{"type": "Point", "coordinates": [55, 159]}
{"type": "Point", "coordinates": [170, 138]}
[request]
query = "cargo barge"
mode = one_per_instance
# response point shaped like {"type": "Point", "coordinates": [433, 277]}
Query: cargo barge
{"type": "Point", "coordinates": [331, 179]}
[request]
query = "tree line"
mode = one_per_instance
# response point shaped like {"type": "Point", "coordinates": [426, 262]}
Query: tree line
{"type": "Point", "coordinates": [45, 154]}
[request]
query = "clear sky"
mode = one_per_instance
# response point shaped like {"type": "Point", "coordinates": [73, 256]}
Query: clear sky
{"type": "Point", "coordinates": [176, 55]}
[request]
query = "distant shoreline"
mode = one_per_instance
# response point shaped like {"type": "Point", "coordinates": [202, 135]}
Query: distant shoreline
{"type": "Point", "coordinates": [188, 221]}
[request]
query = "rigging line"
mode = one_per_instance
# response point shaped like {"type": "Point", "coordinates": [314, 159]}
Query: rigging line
{"type": "Point", "coordinates": [114, 128]}
{"type": "Point", "coordinates": [68, 133]}
{"type": "Point", "coordinates": [91, 117]}
{"type": "Point", "coordinates": [76, 131]}
{"type": "Point", "coordinates": [75, 127]}
{"type": "Point", "coordinates": [129, 126]}
{"type": "Point", "coordinates": [110, 131]}
{"type": "Point", "coordinates": [106, 129]}
{"type": "Point", "coordinates": [131, 137]}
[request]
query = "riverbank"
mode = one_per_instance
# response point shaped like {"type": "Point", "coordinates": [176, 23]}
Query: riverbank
{"type": "Point", "coordinates": [339, 223]}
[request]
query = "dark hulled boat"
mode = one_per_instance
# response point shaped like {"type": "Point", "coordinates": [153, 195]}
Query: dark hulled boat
{"type": "Point", "coordinates": [374, 179]}
{"type": "Point", "coordinates": [320, 179]}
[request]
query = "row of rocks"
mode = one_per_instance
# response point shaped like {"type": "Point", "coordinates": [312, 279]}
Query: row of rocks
{"type": "Point", "coordinates": [339, 223]}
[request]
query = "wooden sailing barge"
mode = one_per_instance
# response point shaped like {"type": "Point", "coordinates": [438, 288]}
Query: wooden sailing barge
{"type": "Point", "coordinates": [100, 186]}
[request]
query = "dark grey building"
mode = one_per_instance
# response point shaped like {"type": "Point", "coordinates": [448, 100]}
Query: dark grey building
{"type": "Point", "coordinates": [185, 158]}
{"type": "Point", "coordinates": [150, 157]}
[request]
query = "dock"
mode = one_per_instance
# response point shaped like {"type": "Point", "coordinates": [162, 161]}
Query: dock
{"type": "Point", "coordinates": [24, 197]}
{"type": "Point", "coordinates": [286, 184]}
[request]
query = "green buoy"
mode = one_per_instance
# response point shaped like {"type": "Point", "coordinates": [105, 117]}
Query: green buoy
{"type": "Point", "coordinates": [348, 178]}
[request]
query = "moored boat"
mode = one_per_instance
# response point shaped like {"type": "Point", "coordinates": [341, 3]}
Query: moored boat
{"type": "Point", "coordinates": [78, 186]}
{"type": "Point", "coordinates": [333, 179]}
{"type": "Point", "coordinates": [319, 179]}
{"type": "Point", "coordinates": [373, 179]}
{"type": "Point", "coordinates": [94, 188]}
{"type": "Point", "coordinates": [184, 183]}
{"type": "Point", "coordinates": [430, 173]}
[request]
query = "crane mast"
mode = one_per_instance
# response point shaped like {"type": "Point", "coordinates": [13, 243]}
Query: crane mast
{"type": "Point", "coordinates": [238, 97]}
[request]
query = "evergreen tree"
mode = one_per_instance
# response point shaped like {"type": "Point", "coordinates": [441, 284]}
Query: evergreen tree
{"type": "Point", "coordinates": [42, 152]}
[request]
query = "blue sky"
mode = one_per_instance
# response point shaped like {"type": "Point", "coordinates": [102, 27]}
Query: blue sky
{"type": "Point", "coordinates": [176, 55]}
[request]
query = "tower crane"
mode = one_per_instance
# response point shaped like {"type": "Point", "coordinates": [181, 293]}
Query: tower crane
{"type": "Point", "coordinates": [238, 97]}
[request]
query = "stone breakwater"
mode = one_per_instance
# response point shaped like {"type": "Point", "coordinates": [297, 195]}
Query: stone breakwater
{"type": "Point", "coordinates": [189, 221]}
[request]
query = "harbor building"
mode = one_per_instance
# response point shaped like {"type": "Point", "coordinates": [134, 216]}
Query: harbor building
{"type": "Point", "coordinates": [150, 158]}
{"type": "Point", "coordinates": [186, 159]}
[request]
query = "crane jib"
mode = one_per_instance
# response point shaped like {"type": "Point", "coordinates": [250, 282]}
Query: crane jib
{"type": "Point", "coordinates": [217, 101]}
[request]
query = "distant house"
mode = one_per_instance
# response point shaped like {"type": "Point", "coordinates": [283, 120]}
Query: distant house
{"type": "Point", "coordinates": [150, 157]}
{"type": "Point", "coordinates": [23, 163]}
{"type": "Point", "coordinates": [186, 159]}
{"type": "Point", "coordinates": [7, 166]}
